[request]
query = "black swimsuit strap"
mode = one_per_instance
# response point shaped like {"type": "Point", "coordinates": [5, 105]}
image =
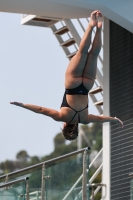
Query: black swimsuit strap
{"type": "Point", "coordinates": [78, 117]}
{"type": "Point", "coordinates": [74, 116]}
{"type": "Point", "coordinates": [83, 108]}
{"type": "Point", "coordinates": [72, 108]}
{"type": "Point", "coordinates": [78, 113]}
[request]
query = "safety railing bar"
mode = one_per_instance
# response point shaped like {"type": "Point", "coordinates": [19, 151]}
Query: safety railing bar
{"type": "Point", "coordinates": [35, 198]}
{"type": "Point", "coordinates": [96, 173]}
{"type": "Point", "coordinates": [13, 182]}
{"type": "Point", "coordinates": [81, 191]}
{"type": "Point", "coordinates": [95, 158]}
{"type": "Point", "coordinates": [96, 191]}
{"type": "Point", "coordinates": [99, 186]}
{"type": "Point", "coordinates": [31, 193]}
{"type": "Point", "coordinates": [67, 155]}
{"type": "Point", "coordinates": [82, 175]}
{"type": "Point", "coordinates": [84, 179]}
{"type": "Point", "coordinates": [69, 192]}
{"type": "Point", "coordinates": [45, 162]}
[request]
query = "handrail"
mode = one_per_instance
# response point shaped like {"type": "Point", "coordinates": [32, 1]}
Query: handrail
{"type": "Point", "coordinates": [32, 193]}
{"type": "Point", "coordinates": [96, 157]}
{"type": "Point", "coordinates": [96, 173]}
{"type": "Point", "coordinates": [45, 162]}
{"type": "Point", "coordinates": [94, 192]}
{"type": "Point", "coordinates": [79, 179]}
{"type": "Point", "coordinates": [75, 184]}
{"type": "Point", "coordinates": [13, 182]}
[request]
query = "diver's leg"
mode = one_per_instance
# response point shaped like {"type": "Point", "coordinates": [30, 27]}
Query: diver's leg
{"type": "Point", "coordinates": [91, 63]}
{"type": "Point", "coordinates": [74, 72]}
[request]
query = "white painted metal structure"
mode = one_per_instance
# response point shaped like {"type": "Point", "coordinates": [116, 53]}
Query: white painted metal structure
{"type": "Point", "coordinates": [106, 126]}
{"type": "Point", "coordinates": [119, 11]}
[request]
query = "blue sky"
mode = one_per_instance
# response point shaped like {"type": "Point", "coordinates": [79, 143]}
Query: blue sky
{"type": "Point", "coordinates": [32, 71]}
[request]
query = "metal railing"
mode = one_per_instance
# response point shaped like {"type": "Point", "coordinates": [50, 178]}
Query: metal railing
{"type": "Point", "coordinates": [44, 163]}
{"type": "Point", "coordinates": [44, 177]}
{"type": "Point", "coordinates": [26, 180]}
{"type": "Point", "coordinates": [98, 186]}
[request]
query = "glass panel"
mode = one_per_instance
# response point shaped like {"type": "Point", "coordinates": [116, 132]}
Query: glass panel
{"type": "Point", "coordinates": [131, 189]}
{"type": "Point", "coordinates": [35, 181]}
{"type": "Point", "coordinates": [63, 175]}
{"type": "Point", "coordinates": [14, 192]}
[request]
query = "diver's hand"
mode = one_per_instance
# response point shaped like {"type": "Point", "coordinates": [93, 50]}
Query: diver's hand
{"type": "Point", "coordinates": [17, 103]}
{"type": "Point", "coordinates": [119, 121]}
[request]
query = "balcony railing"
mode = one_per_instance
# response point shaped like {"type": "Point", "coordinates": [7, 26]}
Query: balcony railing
{"type": "Point", "coordinates": [51, 179]}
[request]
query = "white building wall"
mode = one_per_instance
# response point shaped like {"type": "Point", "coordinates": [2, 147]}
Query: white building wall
{"type": "Point", "coordinates": [106, 111]}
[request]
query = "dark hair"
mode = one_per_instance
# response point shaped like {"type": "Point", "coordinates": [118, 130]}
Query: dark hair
{"type": "Point", "coordinates": [70, 131]}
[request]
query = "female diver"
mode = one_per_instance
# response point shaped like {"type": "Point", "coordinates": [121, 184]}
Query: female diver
{"type": "Point", "coordinates": [79, 79]}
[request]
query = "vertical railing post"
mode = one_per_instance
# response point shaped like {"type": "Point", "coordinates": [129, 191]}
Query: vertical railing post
{"type": "Point", "coordinates": [43, 183]}
{"type": "Point", "coordinates": [6, 181]}
{"type": "Point", "coordinates": [27, 188]}
{"type": "Point", "coordinates": [84, 180]}
{"type": "Point", "coordinates": [92, 193]}
{"type": "Point", "coordinates": [37, 196]}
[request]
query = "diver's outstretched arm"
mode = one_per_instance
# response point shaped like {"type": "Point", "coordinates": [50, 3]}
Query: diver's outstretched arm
{"type": "Point", "coordinates": [40, 110]}
{"type": "Point", "coordinates": [102, 119]}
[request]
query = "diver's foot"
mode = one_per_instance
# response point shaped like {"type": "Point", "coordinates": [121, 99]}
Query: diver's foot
{"type": "Point", "coordinates": [99, 17]}
{"type": "Point", "coordinates": [93, 19]}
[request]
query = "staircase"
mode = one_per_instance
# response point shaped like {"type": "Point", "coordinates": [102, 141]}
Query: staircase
{"type": "Point", "coordinates": [69, 39]}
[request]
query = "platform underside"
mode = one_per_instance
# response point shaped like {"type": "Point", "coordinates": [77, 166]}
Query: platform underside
{"type": "Point", "coordinates": [119, 11]}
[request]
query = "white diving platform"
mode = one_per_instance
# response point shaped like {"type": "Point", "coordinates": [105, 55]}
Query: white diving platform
{"type": "Point", "coordinates": [119, 11]}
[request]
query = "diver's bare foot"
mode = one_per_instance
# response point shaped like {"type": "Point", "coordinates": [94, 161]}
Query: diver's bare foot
{"type": "Point", "coordinates": [99, 18]}
{"type": "Point", "coordinates": [93, 19]}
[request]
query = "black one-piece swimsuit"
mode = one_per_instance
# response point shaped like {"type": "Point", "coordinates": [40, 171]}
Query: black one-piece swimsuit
{"type": "Point", "coordinates": [80, 90]}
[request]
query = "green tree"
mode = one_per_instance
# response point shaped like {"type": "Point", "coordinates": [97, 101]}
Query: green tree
{"type": "Point", "coordinates": [9, 166]}
{"type": "Point", "coordinates": [59, 140]}
{"type": "Point", "coordinates": [22, 156]}
{"type": "Point", "coordinates": [94, 135]}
